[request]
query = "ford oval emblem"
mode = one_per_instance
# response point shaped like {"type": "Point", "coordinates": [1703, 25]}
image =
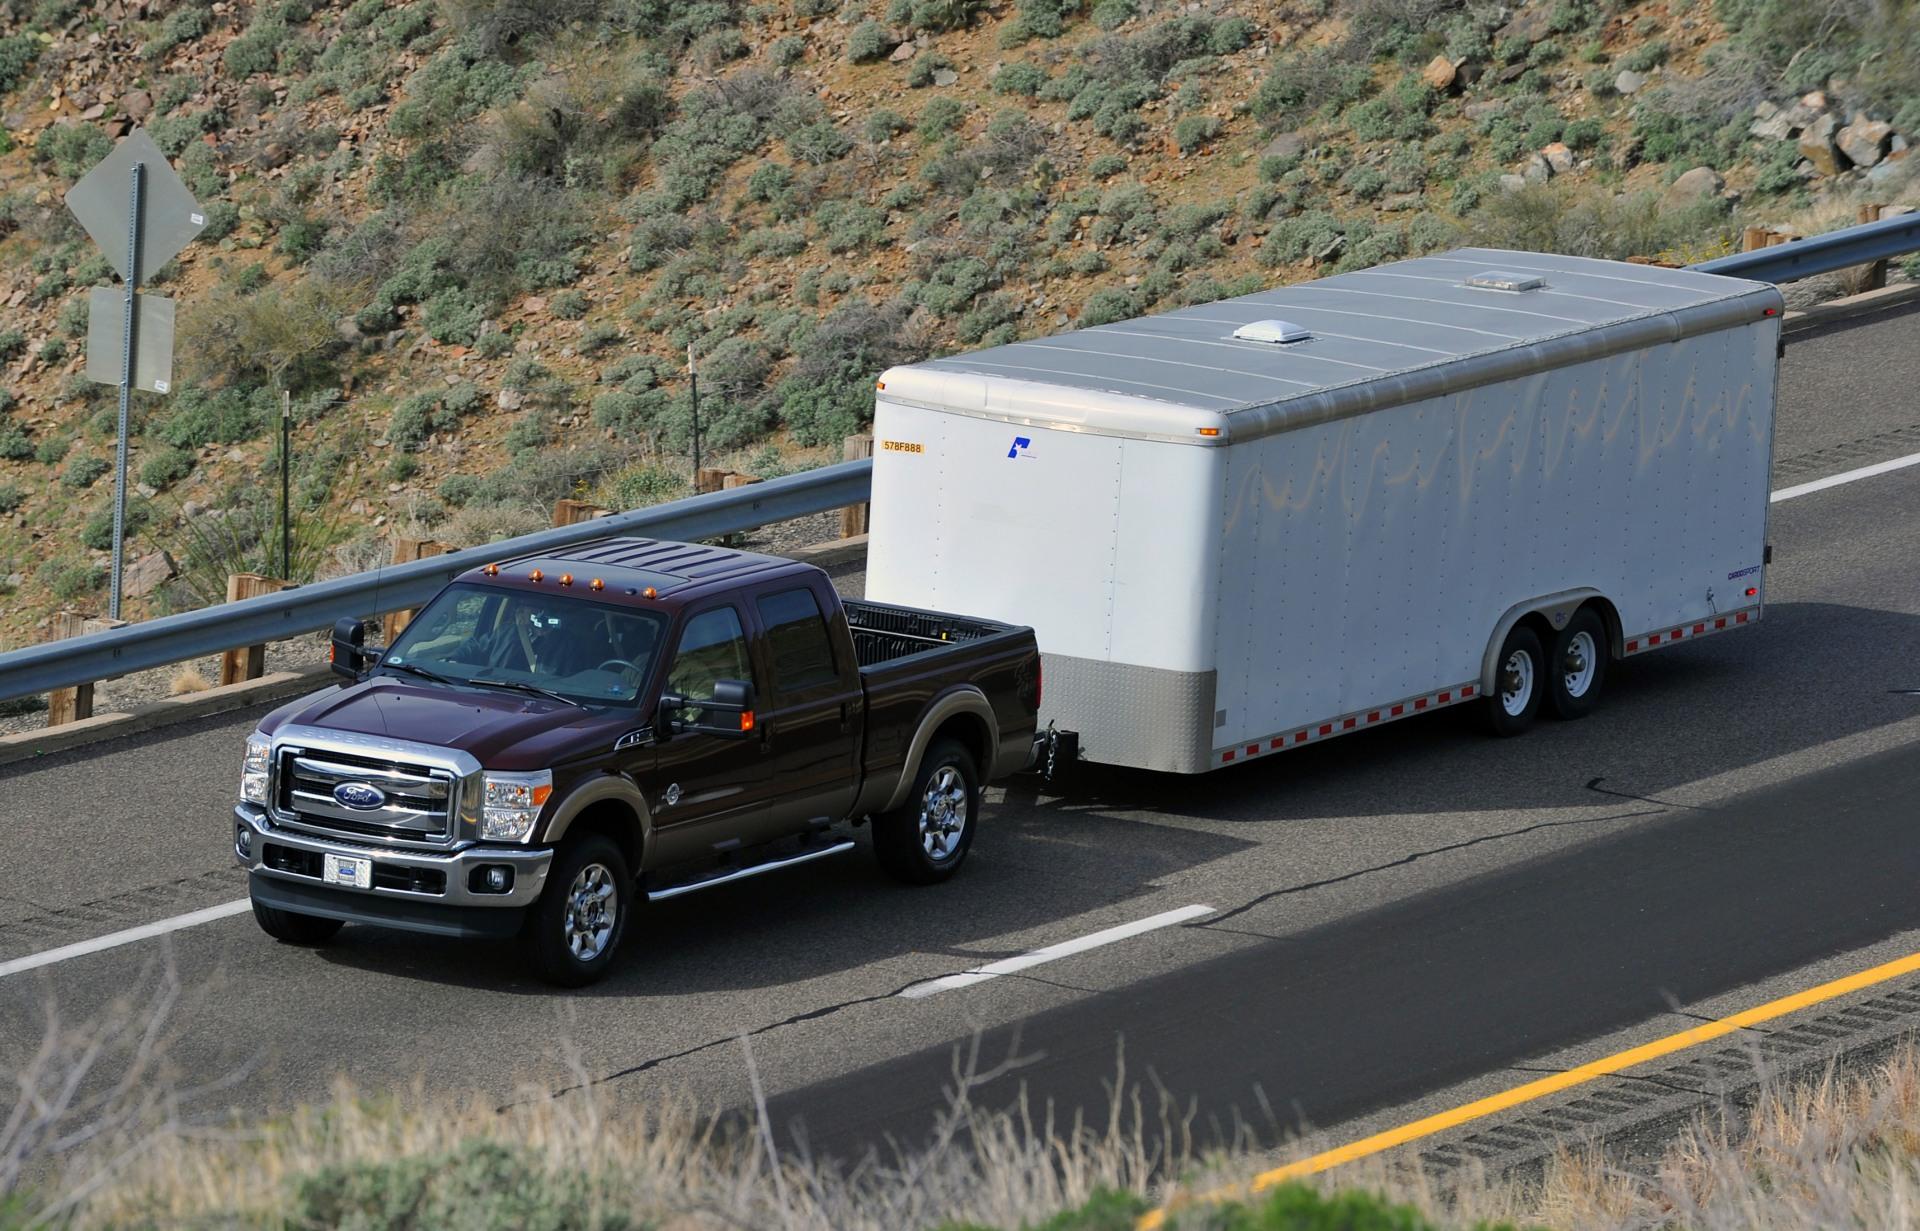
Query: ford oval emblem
{"type": "Point", "coordinates": [359, 795]}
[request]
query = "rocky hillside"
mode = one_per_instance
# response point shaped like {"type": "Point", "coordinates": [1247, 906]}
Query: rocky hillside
{"type": "Point", "coordinates": [473, 240]}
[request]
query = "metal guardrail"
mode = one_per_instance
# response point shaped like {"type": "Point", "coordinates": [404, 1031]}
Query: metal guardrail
{"type": "Point", "coordinates": [1821, 254]}
{"type": "Point", "coordinates": [274, 617]}
{"type": "Point", "coordinates": [211, 630]}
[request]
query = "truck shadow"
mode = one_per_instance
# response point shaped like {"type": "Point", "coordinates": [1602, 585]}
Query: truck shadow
{"type": "Point", "coordinates": [1103, 835]}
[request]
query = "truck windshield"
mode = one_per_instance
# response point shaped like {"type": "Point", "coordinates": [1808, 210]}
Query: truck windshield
{"type": "Point", "coordinates": [594, 653]}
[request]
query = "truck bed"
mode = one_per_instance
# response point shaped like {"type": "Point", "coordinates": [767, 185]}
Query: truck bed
{"type": "Point", "coordinates": [882, 634]}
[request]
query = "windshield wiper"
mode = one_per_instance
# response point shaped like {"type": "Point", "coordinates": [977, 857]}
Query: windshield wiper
{"type": "Point", "coordinates": [422, 672]}
{"type": "Point", "coordinates": [535, 689]}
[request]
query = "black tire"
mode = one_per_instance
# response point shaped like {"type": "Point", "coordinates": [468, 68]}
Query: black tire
{"type": "Point", "coordinates": [294, 929]}
{"type": "Point", "coordinates": [923, 842]}
{"type": "Point", "coordinates": [587, 869]}
{"type": "Point", "coordinates": [1517, 683]}
{"type": "Point", "coordinates": [1577, 665]}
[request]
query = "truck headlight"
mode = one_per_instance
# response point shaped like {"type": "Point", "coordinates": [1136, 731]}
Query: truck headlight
{"type": "Point", "coordinates": [253, 770]}
{"type": "Point", "coordinates": [512, 805]}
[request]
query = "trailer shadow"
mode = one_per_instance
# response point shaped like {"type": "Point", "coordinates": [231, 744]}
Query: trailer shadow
{"type": "Point", "coordinates": [1808, 674]}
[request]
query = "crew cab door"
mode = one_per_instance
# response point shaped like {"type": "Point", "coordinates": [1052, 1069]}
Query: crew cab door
{"type": "Point", "coordinates": [709, 791]}
{"type": "Point", "coordinates": [812, 712]}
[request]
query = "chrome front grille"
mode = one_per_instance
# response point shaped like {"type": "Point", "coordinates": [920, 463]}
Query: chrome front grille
{"type": "Point", "coordinates": [420, 800]}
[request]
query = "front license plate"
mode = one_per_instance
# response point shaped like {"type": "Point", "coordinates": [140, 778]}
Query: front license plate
{"type": "Point", "coordinates": [347, 870]}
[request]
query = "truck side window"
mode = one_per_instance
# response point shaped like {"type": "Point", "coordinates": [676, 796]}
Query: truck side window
{"type": "Point", "coordinates": [713, 647]}
{"type": "Point", "coordinates": [797, 636]}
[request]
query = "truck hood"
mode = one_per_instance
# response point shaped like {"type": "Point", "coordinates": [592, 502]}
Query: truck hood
{"type": "Point", "coordinates": [500, 729]}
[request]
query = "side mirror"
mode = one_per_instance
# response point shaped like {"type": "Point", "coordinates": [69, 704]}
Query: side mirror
{"type": "Point", "coordinates": [347, 654]}
{"type": "Point", "coordinates": [717, 715]}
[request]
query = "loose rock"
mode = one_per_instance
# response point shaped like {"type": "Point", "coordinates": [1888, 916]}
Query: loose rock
{"type": "Point", "coordinates": [1864, 141]}
{"type": "Point", "coordinates": [147, 574]}
{"type": "Point", "coordinates": [1817, 146]}
{"type": "Point", "coordinates": [1695, 185]}
{"type": "Point", "coordinates": [1439, 73]}
{"type": "Point", "coordinates": [1630, 82]}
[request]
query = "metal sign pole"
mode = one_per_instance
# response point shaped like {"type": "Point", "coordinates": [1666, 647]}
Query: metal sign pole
{"type": "Point", "coordinates": [693, 384]}
{"type": "Point", "coordinates": [286, 462]}
{"type": "Point", "coordinates": [129, 327]}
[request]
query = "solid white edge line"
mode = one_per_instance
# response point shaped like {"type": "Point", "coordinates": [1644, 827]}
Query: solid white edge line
{"type": "Point", "coordinates": [1053, 953]}
{"type": "Point", "coordinates": [113, 940]}
{"type": "Point", "coordinates": [1845, 476]}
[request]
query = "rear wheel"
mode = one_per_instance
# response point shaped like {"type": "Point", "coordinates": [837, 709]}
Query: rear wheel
{"type": "Point", "coordinates": [925, 839]}
{"type": "Point", "coordinates": [1517, 683]}
{"type": "Point", "coordinates": [576, 925]}
{"type": "Point", "coordinates": [293, 929]}
{"type": "Point", "coordinates": [1577, 665]}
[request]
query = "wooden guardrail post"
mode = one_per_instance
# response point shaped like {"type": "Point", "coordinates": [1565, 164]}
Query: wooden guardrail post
{"type": "Point", "coordinates": [406, 551]}
{"type": "Point", "coordinates": [853, 518]}
{"type": "Point", "coordinates": [248, 662]}
{"type": "Point", "coordinates": [739, 480]}
{"type": "Point", "coordinates": [1875, 277]}
{"type": "Point", "coordinates": [709, 479]}
{"type": "Point", "coordinates": [66, 705]}
{"type": "Point", "coordinates": [571, 512]}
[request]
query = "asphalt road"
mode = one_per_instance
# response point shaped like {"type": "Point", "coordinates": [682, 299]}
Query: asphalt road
{"type": "Point", "coordinates": [1396, 914]}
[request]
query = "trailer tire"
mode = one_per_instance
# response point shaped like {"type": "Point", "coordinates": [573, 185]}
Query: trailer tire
{"type": "Point", "coordinates": [569, 937]}
{"type": "Point", "coordinates": [1578, 666]}
{"type": "Point", "coordinates": [291, 928]}
{"type": "Point", "coordinates": [926, 839]}
{"type": "Point", "coordinates": [1514, 701]}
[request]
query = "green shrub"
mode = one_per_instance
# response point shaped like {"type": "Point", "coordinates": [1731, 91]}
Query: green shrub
{"type": "Point", "coordinates": [12, 344]}
{"type": "Point", "coordinates": [301, 239]}
{"type": "Point", "coordinates": [1584, 134]}
{"type": "Point", "coordinates": [17, 54]}
{"type": "Point", "coordinates": [97, 531]}
{"type": "Point", "coordinates": [200, 416]}
{"type": "Point", "coordinates": [53, 449]}
{"type": "Point", "coordinates": [166, 468]}
{"type": "Point", "coordinates": [1019, 78]}
{"type": "Point", "coordinates": [598, 336]}
{"type": "Point", "coordinates": [819, 142]}
{"type": "Point", "coordinates": [1112, 14]}
{"type": "Point", "coordinates": [641, 487]}
{"type": "Point", "coordinates": [1193, 131]}
{"type": "Point", "coordinates": [1302, 83]}
{"type": "Point", "coordinates": [848, 225]}
{"type": "Point", "coordinates": [417, 417]}
{"type": "Point", "coordinates": [72, 149]}
{"type": "Point", "coordinates": [883, 124]}
{"type": "Point", "coordinates": [1647, 56]}
{"type": "Point", "coordinates": [867, 42]}
{"type": "Point", "coordinates": [1106, 166]}
{"type": "Point", "coordinates": [787, 50]}
{"type": "Point", "coordinates": [253, 52]}
{"type": "Point", "coordinates": [479, 1183]}
{"type": "Point", "coordinates": [452, 317]}
{"type": "Point", "coordinates": [1586, 221]}
{"type": "Point", "coordinates": [569, 305]}
{"type": "Point", "coordinates": [1367, 183]}
{"type": "Point", "coordinates": [82, 471]}
{"type": "Point", "coordinates": [69, 579]}
{"type": "Point", "coordinates": [11, 497]}
{"type": "Point", "coordinates": [457, 489]}
{"type": "Point", "coordinates": [1104, 307]}
{"type": "Point", "coordinates": [182, 25]}
{"type": "Point", "coordinates": [920, 73]}
{"type": "Point", "coordinates": [939, 117]}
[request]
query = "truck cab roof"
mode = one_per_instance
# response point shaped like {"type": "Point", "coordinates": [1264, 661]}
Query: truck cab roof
{"type": "Point", "coordinates": [627, 568]}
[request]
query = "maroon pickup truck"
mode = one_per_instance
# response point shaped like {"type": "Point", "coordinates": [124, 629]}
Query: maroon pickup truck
{"type": "Point", "coordinates": [553, 739]}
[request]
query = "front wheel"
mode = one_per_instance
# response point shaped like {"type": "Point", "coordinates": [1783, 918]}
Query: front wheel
{"type": "Point", "coordinates": [1577, 666]}
{"type": "Point", "coordinates": [290, 928]}
{"type": "Point", "coordinates": [577, 923]}
{"type": "Point", "coordinates": [925, 839]}
{"type": "Point", "coordinates": [1517, 683]}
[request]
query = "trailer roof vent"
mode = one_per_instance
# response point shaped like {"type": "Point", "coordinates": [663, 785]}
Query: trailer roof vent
{"type": "Point", "coordinates": [1500, 280]}
{"type": "Point", "coordinates": [1279, 333]}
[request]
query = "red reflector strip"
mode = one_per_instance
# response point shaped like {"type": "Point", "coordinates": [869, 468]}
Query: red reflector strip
{"type": "Point", "coordinates": [1227, 755]}
{"type": "Point", "coordinates": [1445, 697]}
{"type": "Point", "coordinates": [1399, 710]}
{"type": "Point", "coordinates": [1326, 728]}
{"type": "Point", "coordinates": [1466, 692]}
{"type": "Point", "coordinates": [1348, 724]}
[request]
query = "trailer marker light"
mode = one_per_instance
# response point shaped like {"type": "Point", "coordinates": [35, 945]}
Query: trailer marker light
{"type": "Point", "coordinates": [1752, 590]}
{"type": "Point", "coordinates": [536, 575]}
{"type": "Point", "coordinates": [1771, 312]}
{"type": "Point", "coordinates": [1209, 431]}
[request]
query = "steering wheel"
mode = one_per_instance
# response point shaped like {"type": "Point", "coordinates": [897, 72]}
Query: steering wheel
{"type": "Point", "coordinates": [618, 664]}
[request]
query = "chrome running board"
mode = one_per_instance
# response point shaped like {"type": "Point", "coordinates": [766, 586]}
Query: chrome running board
{"type": "Point", "coordinates": [738, 874]}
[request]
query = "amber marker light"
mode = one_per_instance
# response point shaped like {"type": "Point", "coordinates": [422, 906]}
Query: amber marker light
{"type": "Point", "coordinates": [536, 575]}
{"type": "Point", "coordinates": [746, 720]}
{"type": "Point", "coordinates": [1209, 431]}
{"type": "Point", "coordinates": [596, 584]}
{"type": "Point", "coordinates": [492, 570]}
{"type": "Point", "coordinates": [649, 592]}
{"type": "Point", "coordinates": [566, 579]}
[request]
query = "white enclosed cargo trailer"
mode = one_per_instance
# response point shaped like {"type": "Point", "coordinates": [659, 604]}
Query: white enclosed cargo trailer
{"type": "Point", "coordinates": [1244, 527]}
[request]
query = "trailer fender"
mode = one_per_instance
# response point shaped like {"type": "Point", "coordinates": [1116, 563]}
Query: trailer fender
{"type": "Point", "coordinates": [968, 701]}
{"type": "Point", "coordinates": [1556, 610]}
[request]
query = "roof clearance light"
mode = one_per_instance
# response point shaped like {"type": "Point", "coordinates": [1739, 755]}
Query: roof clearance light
{"type": "Point", "coordinates": [1209, 431]}
{"type": "Point", "coordinates": [650, 592]}
{"type": "Point", "coordinates": [492, 570]}
{"type": "Point", "coordinates": [566, 579]}
{"type": "Point", "coordinates": [536, 575]}
{"type": "Point", "coordinates": [596, 584]}
{"type": "Point", "coordinates": [881, 385]}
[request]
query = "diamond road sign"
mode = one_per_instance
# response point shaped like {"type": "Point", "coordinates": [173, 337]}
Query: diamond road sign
{"type": "Point", "coordinates": [170, 217]}
{"type": "Point", "coordinates": [107, 339]}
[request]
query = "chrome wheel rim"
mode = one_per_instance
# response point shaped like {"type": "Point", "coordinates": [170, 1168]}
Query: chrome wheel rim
{"type": "Point", "coordinates": [593, 906]}
{"type": "Point", "coordinates": [1516, 683]}
{"type": "Point", "coordinates": [943, 814]}
{"type": "Point", "coordinates": [1581, 664]}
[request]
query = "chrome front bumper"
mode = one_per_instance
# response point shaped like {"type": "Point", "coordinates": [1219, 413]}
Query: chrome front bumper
{"type": "Point", "coordinates": [253, 831]}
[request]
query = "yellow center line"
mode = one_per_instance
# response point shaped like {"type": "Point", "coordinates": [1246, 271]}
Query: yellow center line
{"type": "Point", "coordinates": [1532, 1090]}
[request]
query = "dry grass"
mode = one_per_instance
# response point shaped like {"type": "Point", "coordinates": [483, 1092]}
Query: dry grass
{"type": "Point", "coordinates": [187, 680]}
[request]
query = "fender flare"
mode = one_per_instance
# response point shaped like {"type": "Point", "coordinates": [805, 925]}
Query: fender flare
{"type": "Point", "coordinates": [598, 789]}
{"type": "Point", "coordinates": [1556, 609]}
{"type": "Point", "coordinates": [966, 699]}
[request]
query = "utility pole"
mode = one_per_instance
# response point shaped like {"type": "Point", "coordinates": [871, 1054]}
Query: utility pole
{"type": "Point", "coordinates": [693, 384]}
{"type": "Point", "coordinates": [286, 462]}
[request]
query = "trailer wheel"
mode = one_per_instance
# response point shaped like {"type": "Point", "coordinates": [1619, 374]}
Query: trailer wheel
{"type": "Point", "coordinates": [1517, 683]}
{"type": "Point", "coordinates": [1578, 666]}
{"type": "Point", "coordinates": [925, 839]}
